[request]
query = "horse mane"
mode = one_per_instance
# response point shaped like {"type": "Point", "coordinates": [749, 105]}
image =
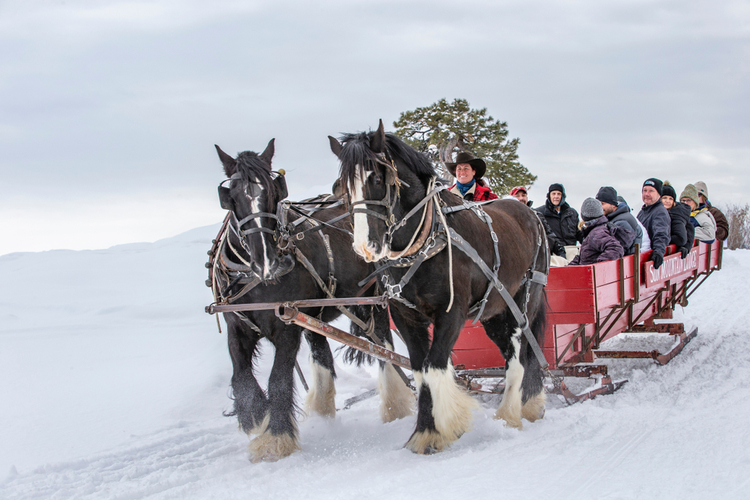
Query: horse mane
{"type": "Point", "coordinates": [356, 152]}
{"type": "Point", "coordinates": [253, 169]}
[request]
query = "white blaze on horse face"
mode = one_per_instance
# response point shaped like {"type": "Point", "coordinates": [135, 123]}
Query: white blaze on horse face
{"type": "Point", "coordinates": [362, 244]}
{"type": "Point", "coordinates": [255, 206]}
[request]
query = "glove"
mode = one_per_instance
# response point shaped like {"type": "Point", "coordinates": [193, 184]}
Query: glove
{"type": "Point", "coordinates": [559, 250]}
{"type": "Point", "coordinates": [684, 251]}
{"type": "Point", "coordinates": [658, 260]}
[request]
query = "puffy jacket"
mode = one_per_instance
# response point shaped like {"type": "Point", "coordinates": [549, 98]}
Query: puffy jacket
{"type": "Point", "coordinates": [705, 224]}
{"type": "Point", "coordinates": [564, 224]}
{"type": "Point", "coordinates": [599, 243]}
{"type": "Point", "coordinates": [722, 226]}
{"type": "Point", "coordinates": [477, 192]}
{"type": "Point", "coordinates": [553, 241]}
{"type": "Point", "coordinates": [655, 219]}
{"type": "Point", "coordinates": [623, 218]}
{"type": "Point", "coordinates": [680, 217]}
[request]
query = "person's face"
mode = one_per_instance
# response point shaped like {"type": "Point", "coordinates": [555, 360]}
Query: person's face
{"type": "Point", "coordinates": [702, 198]}
{"type": "Point", "coordinates": [608, 207]}
{"type": "Point", "coordinates": [464, 173]}
{"type": "Point", "coordinates": [689, 201]}
{"type": "Point", "coordinates": [555, 197]}
{"type": "Point", "coordinates": [649, 195]}
{"type": "Point", "coordinates": [522, 197]}
{"type": "Point", "coordinates": [667, 201]}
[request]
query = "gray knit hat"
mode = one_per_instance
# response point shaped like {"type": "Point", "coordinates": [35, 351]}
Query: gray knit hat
{"type": "Point", "coordinates": [591, 209]}
{"type": "Point", "coordinates": [692, 193]}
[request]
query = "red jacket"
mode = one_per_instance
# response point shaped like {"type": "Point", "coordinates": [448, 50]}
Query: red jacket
{"type": "Point", "coordinates": [477, 193]}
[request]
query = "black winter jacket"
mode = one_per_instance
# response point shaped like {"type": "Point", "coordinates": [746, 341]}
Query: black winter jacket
{"type": "Point", "coordinates": [564, 224]}
{"type": "Point", "coordinates": [655, 219]}
{"type": "Point", "coordinates": [623, 218]}
{"type": "Point", "coordinates": [682, 230]}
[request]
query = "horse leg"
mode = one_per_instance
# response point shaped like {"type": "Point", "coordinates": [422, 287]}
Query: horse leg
{"type": "Point", "coordinates": [321, 398]}
{"type": "Point", "coordinates": [501, 329]}
{"type": "Point", "coordinates": [250, 402]}
{"type": "Point", "coordinates": [444, 408]}
{"type": "Point", "coordinates": [279, 437]}
{"type": "Point", "coordinates": [534, 398]}
{"type": "Point", "coordinates": [396, 398]}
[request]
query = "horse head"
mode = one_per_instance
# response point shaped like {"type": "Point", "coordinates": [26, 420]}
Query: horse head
{"type": "Point", "coordinates": [252, 198]}
{"type": "Point", "coordinates": [383, 178]}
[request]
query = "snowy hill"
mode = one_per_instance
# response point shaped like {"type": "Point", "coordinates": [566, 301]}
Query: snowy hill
{"type": "Point", "coordinates": [114, 381]}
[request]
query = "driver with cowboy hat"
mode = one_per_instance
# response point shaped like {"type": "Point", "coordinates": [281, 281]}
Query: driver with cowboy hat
{"type": "Point", "coordinates": [468, 172]}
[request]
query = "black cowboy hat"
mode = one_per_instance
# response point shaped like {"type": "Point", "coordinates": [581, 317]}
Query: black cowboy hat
{"type": "Point", "coordinates": [477, 164]}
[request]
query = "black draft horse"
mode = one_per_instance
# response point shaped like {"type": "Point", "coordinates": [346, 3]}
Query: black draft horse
{"type": "Point", "coordinates": [385, 180]}
{"type": "Point", "coordinates": [253, 194]}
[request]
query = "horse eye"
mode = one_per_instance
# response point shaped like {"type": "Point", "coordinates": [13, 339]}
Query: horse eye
{"type": "Point", "coordinates": [377, 180]}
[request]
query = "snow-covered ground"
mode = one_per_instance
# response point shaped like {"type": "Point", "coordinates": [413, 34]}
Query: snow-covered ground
{"type": "Point", "coordinates": [113, 382]}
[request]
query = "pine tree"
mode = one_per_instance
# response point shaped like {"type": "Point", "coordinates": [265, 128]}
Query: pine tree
{"type": "Point", "coordinates": [442, 129]}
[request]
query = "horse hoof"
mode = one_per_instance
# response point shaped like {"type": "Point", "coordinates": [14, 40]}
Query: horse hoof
{"type": "Point", "coordinates": [270, 448]}
{"type": "Point", "coordinates": [427, 443]}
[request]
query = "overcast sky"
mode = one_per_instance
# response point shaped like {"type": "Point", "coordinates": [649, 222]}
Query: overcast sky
{"type": "Point", "coordinates": [109, 110]}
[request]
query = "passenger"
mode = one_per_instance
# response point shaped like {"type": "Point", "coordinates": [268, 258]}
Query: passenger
{"type": "Point", "coordinates": [645, 240]}
{"type": "Point", "coordinates": [655, 219]}
{"type": "Point", "coordinates": [468, 172]}
{"type": "Point", "coordinates": [561, 217]}
{"type": "Point", "coordinates": [704, 222]}
{"type": "Point", "coordinates": [722, 226]}
{"type": "Point", "coordinates": [556, 247]}
{"type": "Point", "coordinates": [599, 241]}
{"type": "Point", "coordinates": [682, 230]}
{"type": "Point", "coordinates": [520, 193]}
{"type": "Point", "coordinates": [619, 214]}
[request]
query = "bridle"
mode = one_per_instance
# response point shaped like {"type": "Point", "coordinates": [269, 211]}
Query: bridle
{"type": "Point", "coordinates": [392, 191]}
{"type": "Point", "coordinates": [236, 224]}
{"type": "Point", "coordinates": [389, 201]}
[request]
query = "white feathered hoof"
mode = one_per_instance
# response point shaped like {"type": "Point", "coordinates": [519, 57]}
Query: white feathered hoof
{"type": "Point", "coordinates": [396, 399]}
{"type": "Point", "coordinates": [270, 448]}
{"type": "Point", "coordinates": [511, 416]}
{"type": "Point", "coordinates": [533, 409]}
{"type": "Point", "coordinates": [427, 442]}
{"type": "Point", "coordinates": [321, 398]}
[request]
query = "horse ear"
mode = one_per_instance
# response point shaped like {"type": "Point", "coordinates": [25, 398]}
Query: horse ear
{"type": "Point", "coordinates": [267, 155]}
{"type": "Point", "coordinates": [377, 141]}
{"type": "Point", "coordinates": [335, 146]}
{"type": "Point", "coordinates": [230, 164]}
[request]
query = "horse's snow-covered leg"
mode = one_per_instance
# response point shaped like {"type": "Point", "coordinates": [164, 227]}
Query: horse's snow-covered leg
{"type": "Point", "coordinates": [321, 398]}
{"type": "Point", "coordinates": [396, 398]}
{"type": "Point", "coordinates": [534, 398]}
{"type": "Point", "coordinates": [279, 438]}
{"type": "Point", "coordinates": [250, 402]}
{"type": "Point", "coordinates": [510, 407]}
{"type": "Point", "coordinates": [444, 408]}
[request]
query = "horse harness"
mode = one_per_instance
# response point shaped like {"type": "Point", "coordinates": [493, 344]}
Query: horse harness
{"type": "Point", "coordinates": [225, 274]}
{"type": "Point", "coordinates": [440, 236]}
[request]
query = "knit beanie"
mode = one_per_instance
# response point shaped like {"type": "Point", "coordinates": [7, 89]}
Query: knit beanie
{"type": "Point", "coordinates": [702, 188]}
{"type": "Point", "coordinates": [607, 194]}
{"type": "Point", "coordinates": [692, 193]}
{"type": "Point", "coordinates": [668, 190]}
{"type": "Point", "coordinates": [591, 209]}
{"type": "Point", "coordinates": [556, 187]}
{"type": "Point", "coordinates": [654, 183]}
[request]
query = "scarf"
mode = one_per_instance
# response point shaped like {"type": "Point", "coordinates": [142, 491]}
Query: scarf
{"type": "Point", "coordinates": [463, 188]}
